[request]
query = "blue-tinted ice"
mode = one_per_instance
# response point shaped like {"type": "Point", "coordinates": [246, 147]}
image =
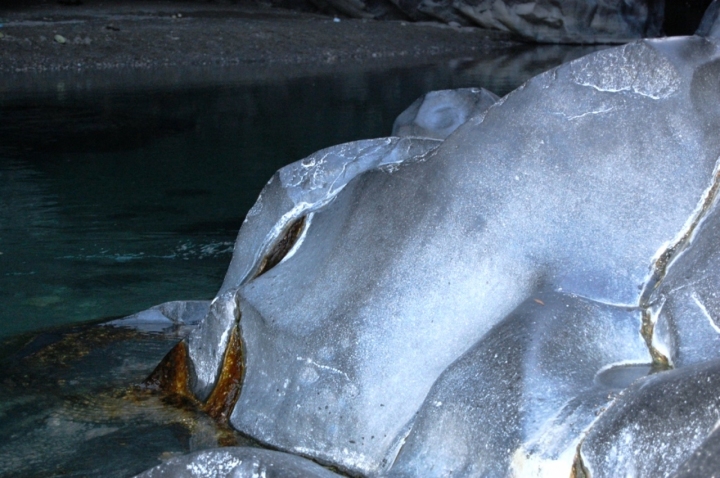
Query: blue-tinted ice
{"type": "Point", "coordinates": [488, 303]}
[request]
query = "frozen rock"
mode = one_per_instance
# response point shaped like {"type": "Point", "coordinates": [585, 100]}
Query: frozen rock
{"type": "Point", "coordinates": [521, 398]}
{"type": "Point", "coordinates": [438, 113]}
{"type": "Point", "coordinates": [656, 425]}
{"type": "Point", "coordinates": [710, 24]}
{"type": "Point", "coordinates": [372, 274]}
{"type": "Point", "coordinates": [686, 307]}
{"type": "Point", "coordinates": [278, 219]}
{"type": "Point", "coordinates": [166, 316]}
{"type": "Point", "coordinates": [238, 462]}
{"type": "Point", "coordinates": [583, 180]}
{"type": "Point", "coordinates": [574, 21]}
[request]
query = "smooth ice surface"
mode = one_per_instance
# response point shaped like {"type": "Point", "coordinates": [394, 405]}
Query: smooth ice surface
{"type": "Point", "coordinates": [166, 316]}
{"type": "Point", "coordinates": [578, 182]}
{"type": "Point", "coordinates": [237, 462]}
{"type": "Point", "coordinates": [519, 400]}
{"type": "Point", "coordinates": [438, 114]}
{"type": "Point", "coordinates": [305, 186]}
{"type": "Point", "coordinates": [656, 424]}
{"type": "Point", "coordinates": [294, 191]}
{"type": "Point", "coordinates": [710, 23]}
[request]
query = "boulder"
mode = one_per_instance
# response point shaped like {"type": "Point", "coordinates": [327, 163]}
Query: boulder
{"type": "Point", "coordinates": [476, 305]}
{"type": "Point", "coordinates": [575, 21]}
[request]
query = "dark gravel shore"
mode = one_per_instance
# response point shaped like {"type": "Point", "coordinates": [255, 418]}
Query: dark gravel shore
{"type": "Point", "coordinates": [47, 36]}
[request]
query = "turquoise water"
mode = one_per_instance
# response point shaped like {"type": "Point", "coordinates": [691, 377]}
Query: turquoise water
{"type": "Point", "coordinates": [118, 193]}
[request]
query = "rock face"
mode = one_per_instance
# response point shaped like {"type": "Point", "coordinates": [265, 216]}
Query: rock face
{"type": "Point", "coordinates": [548, 21]}
{"type": "Point", "coordinates": [577, 21]}
{"type": "Point", "coordinates": [488, 305]}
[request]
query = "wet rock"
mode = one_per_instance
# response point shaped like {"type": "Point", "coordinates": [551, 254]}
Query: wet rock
{"type": "Point", "coordinates": [438, 113]}
{"type": "Point", "coordinates": [238, 462]}
{"type": "Point", "coordinates": [276, 222]}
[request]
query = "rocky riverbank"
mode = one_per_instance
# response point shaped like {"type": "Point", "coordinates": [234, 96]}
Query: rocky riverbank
{"type": "Point", "coordinates": [102, 35]}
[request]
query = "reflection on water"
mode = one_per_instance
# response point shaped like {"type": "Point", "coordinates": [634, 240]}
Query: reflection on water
{"type": "Point", "coordinates": [123, 190]}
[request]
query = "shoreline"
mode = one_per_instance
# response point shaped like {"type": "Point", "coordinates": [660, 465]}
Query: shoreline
{"type": "Point", "coordinates": [145, 35]}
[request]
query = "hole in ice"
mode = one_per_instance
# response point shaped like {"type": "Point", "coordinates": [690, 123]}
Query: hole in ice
{"type": "Point", "coordinates": [282, 246]}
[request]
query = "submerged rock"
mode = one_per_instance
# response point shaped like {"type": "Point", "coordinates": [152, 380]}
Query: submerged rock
{"type": "Point", "coordinates": [471, 307]}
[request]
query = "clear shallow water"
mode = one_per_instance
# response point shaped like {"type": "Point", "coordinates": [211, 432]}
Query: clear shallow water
{"type": "Point", "coordinates": [115, 197]}
{"type": "Point", "coordinates": [122, 190]}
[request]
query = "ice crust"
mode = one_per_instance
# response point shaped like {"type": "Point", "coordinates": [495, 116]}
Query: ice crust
{"type": "Point", "coordinates": [166, 317]}
{"type": "Point", "coordinates": [439, 113]}
{"type": "Point", "coordinates": [237, 462]}
{"type": "Point", "coordinates": [474, 306]}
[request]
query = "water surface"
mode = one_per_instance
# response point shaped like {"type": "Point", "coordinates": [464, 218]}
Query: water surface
{"type": "Point", "coordinates": [123, 189]}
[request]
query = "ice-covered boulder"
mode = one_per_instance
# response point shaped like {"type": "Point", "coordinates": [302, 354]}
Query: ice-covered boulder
{"type": "Point", "coordinates": [710, 23]}
{"type": "Point", "coordinates": [496, 289]}
{"type": "Point", "coordinates": [237, 462]}
{"type": "Point", "coordinates": [166, 317]}
{"type": "Point", "coordinates": [439, 113]}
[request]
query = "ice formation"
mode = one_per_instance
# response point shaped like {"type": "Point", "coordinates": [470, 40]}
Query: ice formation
{"type": "Point", "coordinates": [503, 302]}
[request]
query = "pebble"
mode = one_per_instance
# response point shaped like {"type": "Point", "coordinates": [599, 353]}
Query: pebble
{"type": "Point", "coordinates": [60, 39]}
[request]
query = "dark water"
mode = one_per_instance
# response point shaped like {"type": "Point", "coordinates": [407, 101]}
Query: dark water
{"type": "Point", "coordinates": [122, 190]}
{"type": "Point", "coordinates": [117, 196]}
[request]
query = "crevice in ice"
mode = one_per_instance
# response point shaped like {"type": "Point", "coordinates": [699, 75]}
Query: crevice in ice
{"type": "Point", "coordinates": [222, 399]}
{"type": "Point", "coordinates": [579, 470]}
{"type": "Point", "coordinates": [664, 259]}
{"type": "Point", "coordinates": [324, 367]}
{"type": "Point", "coordinates": [705, 312]}
{"type": "Point", "coordinates": [282, 246]}
{"type": "Point", "coordinates": [574, 117]}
